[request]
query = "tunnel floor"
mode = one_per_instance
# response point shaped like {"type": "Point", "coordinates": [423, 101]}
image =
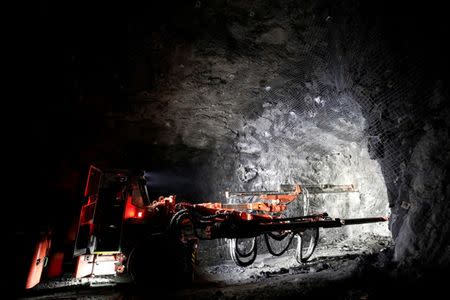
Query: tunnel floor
{"type": "Point", "coordinates": [331, 271]}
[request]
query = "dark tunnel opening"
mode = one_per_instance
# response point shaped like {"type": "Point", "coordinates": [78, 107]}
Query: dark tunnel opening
{"type": "Point", "coordinates": [207, 97]}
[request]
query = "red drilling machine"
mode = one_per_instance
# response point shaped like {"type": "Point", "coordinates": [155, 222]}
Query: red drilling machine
{"type": "Point", "coordinates": [121, 232]}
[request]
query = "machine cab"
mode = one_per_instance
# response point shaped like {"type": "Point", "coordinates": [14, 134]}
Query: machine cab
{"type": "Point", "coordinates": [110, 198]}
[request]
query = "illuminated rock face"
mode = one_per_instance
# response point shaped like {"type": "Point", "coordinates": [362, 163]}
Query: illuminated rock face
{"type": "Point", "coordinates": [283, 146]}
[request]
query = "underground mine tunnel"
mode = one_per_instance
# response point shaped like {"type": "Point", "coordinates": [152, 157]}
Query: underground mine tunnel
{"type": "Point", "coordinates": [257, 117]}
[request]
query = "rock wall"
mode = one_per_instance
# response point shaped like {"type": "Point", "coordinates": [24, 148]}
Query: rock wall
{"type": "Point", "coordinates": [422, 209]}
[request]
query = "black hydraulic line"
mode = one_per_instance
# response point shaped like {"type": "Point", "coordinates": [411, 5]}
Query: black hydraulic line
{"type": "Point", "coordinates": [269, 247]}
{"type": "Point", "coordinates": [237, 258]}
{"type": "Point", "coordinates": [174, 221]}
{"type": "Point", "coordinates": [279, 237]}
{"type": "Point", "coordinates": [299, 255]}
